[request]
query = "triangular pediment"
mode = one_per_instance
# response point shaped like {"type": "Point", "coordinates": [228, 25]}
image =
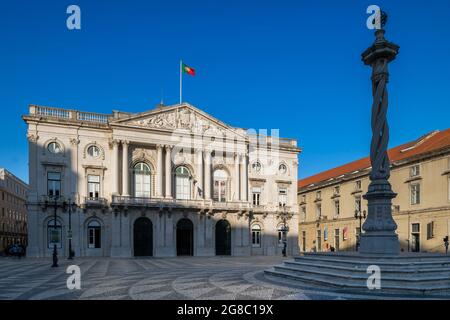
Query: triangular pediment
{"type": "Point", "coordinates": [181, 117]}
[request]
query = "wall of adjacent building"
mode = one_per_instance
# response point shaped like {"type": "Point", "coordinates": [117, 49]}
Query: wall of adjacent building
{"type": "Point", "coordinates": [434, 206]}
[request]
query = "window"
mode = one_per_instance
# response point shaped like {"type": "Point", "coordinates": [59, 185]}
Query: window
{"type": "Point", "coordinates": [336, 208]}
{"type": "Point", "coordinates": [414, 171]}
{"type": "Point", "coordinates": [358, 185]}
{"type": "Point", "coordinates": [256, 236]}
{"type": "Point", "coordinates": [304, 241]}
{"type": "Point", "coordinates": [430, 230]}
{"type": "Point", "coordinates": [54, 147]}
{"type": "Point", "coordinates": [282, 196]}
{"type": "Point", "coordinates": [53, 184]}
{"type": "Point", "coordinates": [256, 195]}
{"type": "Point", "coordinates": [318, 211]}
{"type": "Point", "coordinates": [281, 237]}
{"type": "Point", "coordinates": [304, 198]}
{"type": "Point", "coordinates": [94, 235]}
{"type": "Point", "coordinates": [337, 189]}
{"type": "Point", "coordinates": [415, 193]}
{"type": "Point", "coordinates": [182, 183]}
{"type": "Point", "coordinates": [318, 195]}
{"type": "Point", "coordinates": [54, 234]}
{"type": "Point", "coordinates": [282, 168]}
{"type": "Point", "coordinates": [93, 151]}
{"type": "Point", "coordinates": [93, 187]}
{"type": "Point", "coordinates": [256, 166]}
{"type": "Point", "coordinates": [142, 180]}
{"type": "Point", "coordinates": [220, 185]}
{"type": "Point", "coordinates": [303, 213]}
{"type": "Point", "coordinates": [319, 241]}
{"type": "Point", "coordinates": [336, 239]}
{"type": "Point", "coordinates": [415, 237]}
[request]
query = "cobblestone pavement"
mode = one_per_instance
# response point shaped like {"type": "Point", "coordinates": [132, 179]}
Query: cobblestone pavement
{"type": "Point", "coordinates": [190, 278]}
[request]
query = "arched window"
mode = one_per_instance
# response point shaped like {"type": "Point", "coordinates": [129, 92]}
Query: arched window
{"type": "Point", "coordinates": [54, 147]}
{"type": "Point", "coordinates": [94, 235]}
{"type": "Point", "coordinates": [54, 234]}
{"type": "Point", "coordinates": [182, 183]}
{"type": "Point", "coordinates": [220, 185]}
{"type": "Point", "coordinates": [142, 180]}
{"type": "Point", "coordinates": [93, 151]}
{"type": "Point", "coordinates": [256, 236]}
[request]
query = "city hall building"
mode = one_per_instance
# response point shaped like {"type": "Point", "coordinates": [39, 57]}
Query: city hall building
{"type": "Point", "coordinates": [166, 182]}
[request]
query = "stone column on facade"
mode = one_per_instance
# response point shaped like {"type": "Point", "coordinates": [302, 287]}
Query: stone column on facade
{"type": "Point", "coordinates": [200, 173]}
{"type": "Point", "coordinates": [244, 178]}
{"type": "Point", "coordinates": [159, 171]}
{"type": "Point", "coordinates": [115, 168]}
{"type": "Point", "coordinates": [208, 162]}
{"type": "Point", "coordinates": [237, 161]}
{"type": "Point", "coordinates": [125, 169]}
{"type": "Point", "coordinates": [168, 171]}
{"type": "Point", "coordinates": [33, 166]}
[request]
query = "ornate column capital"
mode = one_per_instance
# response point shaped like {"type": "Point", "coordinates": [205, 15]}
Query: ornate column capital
{"type": "Point", "coordinates": [32, 137]}
{"type": "Point", "coordinates": [125, 142]}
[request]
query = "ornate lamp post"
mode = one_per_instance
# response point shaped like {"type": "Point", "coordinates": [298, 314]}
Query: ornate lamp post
{"type": "Point", "coordinates": [71, 206]}
{"type": "Point", "coordinates": [284, 216]}
{"type": "Point", "coordinates": [360, 216]}
{"type": "Point", "coordinates": [380, 236]}
{"type": "Point", "coordinates": [55, 203]}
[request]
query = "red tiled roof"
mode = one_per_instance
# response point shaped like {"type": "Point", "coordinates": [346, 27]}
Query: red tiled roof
{"type": "Point", "coordinates": [428, 143]}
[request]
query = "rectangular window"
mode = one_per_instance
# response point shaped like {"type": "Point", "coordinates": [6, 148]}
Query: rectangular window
{"type": "Point", "coordinates": [93, 187]}
{"type": "Point", "coordinates": [282, 196]}
{"type": "Point", "coordinates": [337, 209]}
{"type": "Point", "coordinates": [337, 189]}
{"type": "Point", "coordinates": [318, 195]}
{"type": "Point", "coordinates": [303, 213]}
{"type": "Point", "coordinates": [304, 241]}
{"type": "Point", "coordinates": [53, 184]}
{"type": "Point", "coordinates": [336, 239]}
{"type": "Point", "coordinates": [318, 211]}
{"type": "Point", "coordinates": [358, 185]}
{"type": "Point", "coordinates": [319, 241]}
{"type": "Point", "coordinates": [430, 230]}
{"type": "Point", "coordinates": [256, 195]}
{"type": "Point", "coordinates": [415, 193]}
{"type": "Point", "coordinates": [414, 171]}
{"type": "Point", "coordinates": [415, 237]}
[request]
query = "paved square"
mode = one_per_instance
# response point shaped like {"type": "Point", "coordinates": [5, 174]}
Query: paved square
{"type": "Point", "coordinates": [190, 278]}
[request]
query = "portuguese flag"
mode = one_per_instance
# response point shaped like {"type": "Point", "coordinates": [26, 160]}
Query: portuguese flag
{"type": "Point", "coordinates": [186, 69]}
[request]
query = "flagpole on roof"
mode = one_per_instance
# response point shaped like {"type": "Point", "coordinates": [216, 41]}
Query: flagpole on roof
{"type": "Point", "coordinates": [181, 81]}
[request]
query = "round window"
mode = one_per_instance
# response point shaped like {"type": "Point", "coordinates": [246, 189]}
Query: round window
{"type": "Point", "coordinates": [256, 166]}
{"type": "Point", "coordinates": [54, 148]}
{"type": "Point", "coordinates": [93, 151]}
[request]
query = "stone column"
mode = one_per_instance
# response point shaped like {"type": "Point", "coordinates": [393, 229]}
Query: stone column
{"type": "Point", "coordinates": [115, 168]}
{"type": "Point", "coordinates": [168, 171]}
{"type": "Point", "coordinates": [244, 178]}
{"type": "Point", "coordinates": [159, 172]}
{"type": "Point", "coordinates": [208, 174]}
{"type": "Point", "coordinates": [125, 169]}
{"type": "Point", "coordinates": [379, 236]}
{"type": "Point", "coordinates": [236, 177]}
{"type": "Point", "coordinates": [200, 172]}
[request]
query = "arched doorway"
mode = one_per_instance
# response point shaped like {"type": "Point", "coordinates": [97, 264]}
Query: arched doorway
{"type": "Point", "coordinates": [223, 238]}
{"type": "Point", "coordinates": [143, 237]}
{"type": "Point", "coordinates": [185, 238]}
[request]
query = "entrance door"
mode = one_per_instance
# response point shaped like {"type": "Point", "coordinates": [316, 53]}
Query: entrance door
{"type": "Point", "coordinates": [143, 237]}
{"type": "Point", "coordinates": [415, 237]}
{"type": "Point", "coordinates": [223, 238]}
{"type": "Point", "coordinates": [336, 239]}
{"type": "Point", "coordinates": [185, 238]}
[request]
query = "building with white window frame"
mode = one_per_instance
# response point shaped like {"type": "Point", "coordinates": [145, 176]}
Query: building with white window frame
{"type": "Point", "coordinates": [166, 182]}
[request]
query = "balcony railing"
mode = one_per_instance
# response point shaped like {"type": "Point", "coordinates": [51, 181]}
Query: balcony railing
{"type": "Point", "coordinates": [180, 203]}
{"type": "Point", "coordinates": [59, 113]}
{"type": "Point", "coordinates": [95, 202]}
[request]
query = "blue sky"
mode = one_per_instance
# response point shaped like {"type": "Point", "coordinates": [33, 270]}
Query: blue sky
{"type": "Point", "coordinates": [292, 65]}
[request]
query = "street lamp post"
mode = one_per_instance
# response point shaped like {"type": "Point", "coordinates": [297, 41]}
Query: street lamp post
{"type": "Point", "coordinates": [284, 216]}
{"type": "Point", "coordinates": [359, 217]}
{"type": "Point", "coordinates": [54, 203]}
{"type": "Point", "coordinates": [71, 206]}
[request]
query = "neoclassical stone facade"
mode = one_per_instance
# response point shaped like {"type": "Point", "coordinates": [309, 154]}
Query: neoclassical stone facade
{"type": "Point", "coordinates": [166, 182]}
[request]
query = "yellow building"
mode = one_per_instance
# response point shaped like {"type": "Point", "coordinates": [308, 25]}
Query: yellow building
{"type": "Point", "coordinates": [420, 175]}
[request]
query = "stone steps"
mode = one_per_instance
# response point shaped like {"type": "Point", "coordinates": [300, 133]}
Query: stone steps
{"type": "Point", "coordinates": [411, 275]}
